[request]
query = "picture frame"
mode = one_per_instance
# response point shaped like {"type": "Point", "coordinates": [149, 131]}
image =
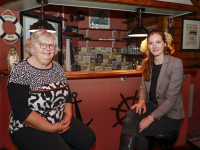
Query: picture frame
{"type": "Point", "coordinates": [100, 17]}
{"type": "Point", "coordinates": [27, 18]}
{"type": "Point", "coordinates": [190, 35]}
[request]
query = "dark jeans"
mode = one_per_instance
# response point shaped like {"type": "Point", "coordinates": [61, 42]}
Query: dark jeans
{"type": "Point", "coordinates": [162, 126]}
{"type": "Point", "coordinates": [78, 137]}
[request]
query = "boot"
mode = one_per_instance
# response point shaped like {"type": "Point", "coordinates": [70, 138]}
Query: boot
{"type": "Point", "coordinates": [127, 142]}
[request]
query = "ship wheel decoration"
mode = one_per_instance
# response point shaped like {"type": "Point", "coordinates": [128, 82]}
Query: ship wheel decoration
{"type": "Point", "coordinates": [78, 113]}
{"type": "Point", "coordinates": [123, 106]}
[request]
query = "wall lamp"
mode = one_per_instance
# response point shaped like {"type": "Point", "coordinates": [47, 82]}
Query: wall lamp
{"type": "Point", "coordinates": [42, 22]}
{"type": "Point", "coordinates": [139, 30]}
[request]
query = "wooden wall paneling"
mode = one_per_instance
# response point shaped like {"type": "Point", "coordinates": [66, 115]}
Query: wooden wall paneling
{"type": "Point", "coordinates": [191, 55]}
{"type": "Point", "coordinates": [177, 31]}
{"type": "Point", "coordinates": [190, 59]}
{"type": "Point", "coordinates": [177, 22]}
{"type": "Point", "coordinates": [191, 63]}
{"type": "Point", "coordinates": [176, 46]}
{"type": "Point", "coordinates": [176, 39]}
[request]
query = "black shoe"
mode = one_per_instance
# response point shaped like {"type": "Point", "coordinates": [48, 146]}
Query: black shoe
{"type": "Point", "coordinates": [127, 142]}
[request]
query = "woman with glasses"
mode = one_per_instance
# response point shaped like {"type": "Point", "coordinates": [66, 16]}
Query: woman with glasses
{"type": "Point", "coordinates": [41, 103]}
{"type": "Point", "coordinates": [160, 107]}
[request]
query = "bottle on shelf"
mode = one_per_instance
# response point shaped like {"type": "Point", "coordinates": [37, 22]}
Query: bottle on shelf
{"type": "Point", "coordinates": [96, 26]}
{"type": "Point", "coordinates": [92, 24]}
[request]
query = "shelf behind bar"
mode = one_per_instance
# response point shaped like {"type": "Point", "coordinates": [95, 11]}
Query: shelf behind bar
{"type": "Point", "coordinates": [102, 40]}
{"type": "Point", "coordinates": [134, 56]}
{"type": "Point", "coordinates": [74, 34]}
{"type": "Point", "coordinates": [102, 29]}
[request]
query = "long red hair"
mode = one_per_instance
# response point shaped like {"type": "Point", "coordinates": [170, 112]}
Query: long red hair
{"type": "Point", "coordinates": [148, 61]}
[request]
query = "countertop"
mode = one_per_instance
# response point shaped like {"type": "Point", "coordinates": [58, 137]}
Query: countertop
{"type": "Point", "coordinates": [103, 74]}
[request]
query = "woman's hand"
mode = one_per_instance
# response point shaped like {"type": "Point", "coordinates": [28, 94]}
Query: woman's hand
{"type": "Point", "coordinates": [66, 121]}
{"type": "Point", "coordinates": [60, 127]}
{"type": "Point", "coordinates": [144, 123]}
{"type": "Point", "coordinates": [139, 106]}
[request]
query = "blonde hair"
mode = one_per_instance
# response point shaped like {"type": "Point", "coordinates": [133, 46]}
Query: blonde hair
{"type": "Point", "coordinates": [38, 37]}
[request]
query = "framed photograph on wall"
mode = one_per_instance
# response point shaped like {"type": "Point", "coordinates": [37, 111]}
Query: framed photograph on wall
{"type": "Point", "coordinates": [190, 34]}
{"type": "Point", "coordinates": [100, 18]}
{"type": "Point", "coordinates": [27, 18]}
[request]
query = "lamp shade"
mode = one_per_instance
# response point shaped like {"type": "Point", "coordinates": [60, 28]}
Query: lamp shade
{"type": "Point", "coordinates": [139, 31]}
{"type": "Point", "coordinates": [42, 24]}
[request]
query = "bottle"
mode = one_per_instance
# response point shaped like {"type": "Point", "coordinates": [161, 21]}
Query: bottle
{"type": "Point", "coordinates": [92, 24]}
{"type": "Point", "coordinates": [96, 26]}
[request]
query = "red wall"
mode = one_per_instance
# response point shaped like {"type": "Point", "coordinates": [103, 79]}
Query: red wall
{"type": "Point", "coordinates": [8, 28]}
{"type": "Point", "coordinates": [194, 121]}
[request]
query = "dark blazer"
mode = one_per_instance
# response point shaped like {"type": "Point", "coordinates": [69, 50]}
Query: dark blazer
{"type": "Point", "coordinates": [168, 90]}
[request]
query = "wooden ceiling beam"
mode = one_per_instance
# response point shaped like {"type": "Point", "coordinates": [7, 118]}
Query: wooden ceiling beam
{"type": "Point", "coordinates": [2, 2]}
{"type": "Point", "coordinates": [153, 3]}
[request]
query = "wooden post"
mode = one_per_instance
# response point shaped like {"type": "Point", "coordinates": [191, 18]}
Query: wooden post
{"type": "Point", "coordinates": [165, 24]}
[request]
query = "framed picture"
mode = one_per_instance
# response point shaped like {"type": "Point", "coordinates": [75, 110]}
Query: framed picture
{"type": "Point", "coordinates": [190, 34]}
{"type": "Point", "coordinates": [100, 18]}
{"type": "Point", "coordinates": [27, 18]}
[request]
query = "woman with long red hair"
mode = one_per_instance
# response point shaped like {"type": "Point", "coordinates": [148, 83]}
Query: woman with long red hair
{"type": "Point", "coordinates": [160, 107]}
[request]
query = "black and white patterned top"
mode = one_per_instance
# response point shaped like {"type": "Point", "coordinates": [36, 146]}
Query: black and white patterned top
{"type": "Point", "coordinates": [44, 91]}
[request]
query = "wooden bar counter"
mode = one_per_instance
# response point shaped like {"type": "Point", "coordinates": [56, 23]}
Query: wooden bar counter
{"type": "Point", "coordinates": [102, 98]}
{"type": "Point", "coordinates": [103, 74]}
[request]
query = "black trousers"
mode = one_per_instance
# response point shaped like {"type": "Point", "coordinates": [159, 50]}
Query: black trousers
{"type": "Point", "coordinates": [162, 126]}
{"type": "Point", "coordinates": [78, 137]}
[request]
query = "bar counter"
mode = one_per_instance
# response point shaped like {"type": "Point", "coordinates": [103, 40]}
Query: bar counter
{"type": "Point", "coordinates": [100, 98]}
{"type": "Point", "coordinates": [103, 74]}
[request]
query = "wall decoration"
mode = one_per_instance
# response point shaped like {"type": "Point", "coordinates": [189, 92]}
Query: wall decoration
{"type": "Point", "coordinates": [127, 102]}
{"type": "Point", "coordinates": [190, 34]}
{"type": "Point", "coordinates": [27, 18]}
{"type": "Point", "coordinates": [99, 19]}
{"type": "Point", "coordinates": [77, 110]}
{"type": "Point", "coordinates": [10, 37]}
{"type": "Point", "coordinates": [99, 58]}
{"type": "Point", "coordinates": [12, 57]}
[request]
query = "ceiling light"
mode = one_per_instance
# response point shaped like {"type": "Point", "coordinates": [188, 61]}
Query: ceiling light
{"type": "Point", "coordinates": [139, 30]}
{"type": "Point", "coordinates": [42, 23]}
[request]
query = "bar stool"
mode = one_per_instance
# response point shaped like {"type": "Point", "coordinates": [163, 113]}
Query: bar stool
{"type": "Point", "coordinates": [164, 141]}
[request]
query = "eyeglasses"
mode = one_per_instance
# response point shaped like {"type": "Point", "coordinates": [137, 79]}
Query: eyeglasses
{"type": "Point", "coordinates": [44, 46]}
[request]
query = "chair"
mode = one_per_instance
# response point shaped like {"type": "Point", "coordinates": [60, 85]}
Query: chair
{"type": "Point", "coordinates": [164, 141]}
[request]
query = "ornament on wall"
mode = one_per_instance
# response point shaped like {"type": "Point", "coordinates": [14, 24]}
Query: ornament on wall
{"type": "Point", "coordinates": [12, 57]}
{"type": "Point", "coordinates": [10, 37]}
{"type": "Point", "coordinates": [78, 113]}
{"type": "Point", "coordinates": [127, 102]}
